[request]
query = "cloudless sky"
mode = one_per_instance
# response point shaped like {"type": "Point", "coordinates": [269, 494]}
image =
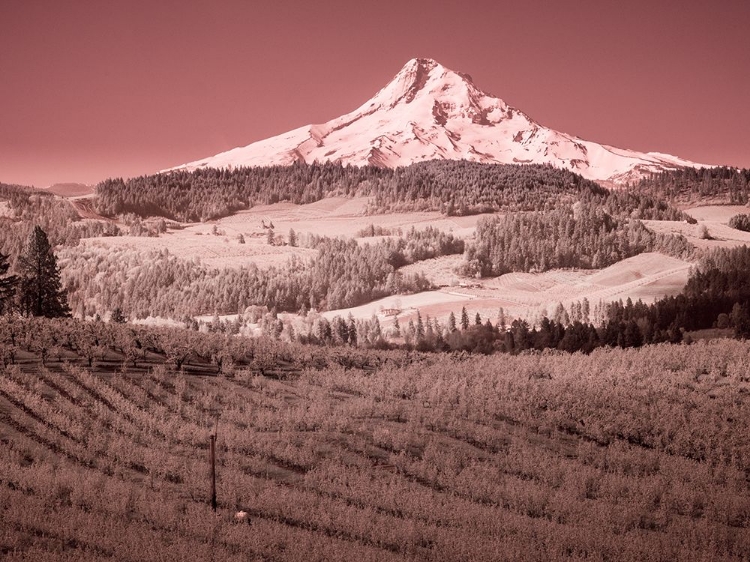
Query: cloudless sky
{"type": "Point", "coordinates": [91, 89]}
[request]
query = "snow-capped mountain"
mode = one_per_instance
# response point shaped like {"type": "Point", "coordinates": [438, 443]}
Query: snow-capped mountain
{"type": "Point", "coordinates": [430, 112]}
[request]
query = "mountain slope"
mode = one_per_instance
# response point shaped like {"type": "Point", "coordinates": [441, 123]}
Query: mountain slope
{"type": "Point", "coordinates": [430, 112]}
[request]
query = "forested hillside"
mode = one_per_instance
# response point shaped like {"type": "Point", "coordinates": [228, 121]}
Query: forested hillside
{"type": "Point", "coordinates": [28, 208]}
{"type": "Point", "coordinates": [581, 236]}
{"type": "Point", "coordinates": [342, 275]}
{"type": "Point", "coordinates": [602, 230]}
{"type": "Point", "coordinates": [452, 187]}
{"type": "Point", "coordinates": [720, 185]}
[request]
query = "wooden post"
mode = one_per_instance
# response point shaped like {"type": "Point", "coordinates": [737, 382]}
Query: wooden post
{"type": "Point", "coordinates": [213, 472]}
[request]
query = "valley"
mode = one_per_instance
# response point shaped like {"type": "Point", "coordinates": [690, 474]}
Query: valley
{"type": "Point", "coordinates": [215, 244]}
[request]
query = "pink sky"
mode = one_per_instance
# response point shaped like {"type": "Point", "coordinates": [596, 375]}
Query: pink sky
{"type": "Point", "coordinates": [94, 89]}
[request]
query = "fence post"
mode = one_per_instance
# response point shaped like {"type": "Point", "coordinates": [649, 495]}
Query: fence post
{"type": "Point", "coordinates": [213, 472]}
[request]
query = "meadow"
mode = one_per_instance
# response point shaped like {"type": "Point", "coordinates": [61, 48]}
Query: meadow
{"type": "Point", "coordinates": [336, 454]}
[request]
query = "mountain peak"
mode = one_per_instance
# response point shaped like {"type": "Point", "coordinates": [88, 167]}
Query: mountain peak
{"type": "Point", "coordinates": [409, 81]}
{"type": "Point", "coordinates": [423, 63]}
{"type": "Point", "coordinates": [430, 112]}
{"type": "Point", "coordinates": [427, 66]}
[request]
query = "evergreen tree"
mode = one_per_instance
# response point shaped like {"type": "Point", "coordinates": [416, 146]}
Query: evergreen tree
{"type": "Point", "coordinates": [352, 331]}
{"type": "Point", "coordinates": [521, 335]}
{"type": "Point", "coordinates": [585, 310]}
{"type": "Point", "coordinates": [41, 293]}
{"type": "Point", "coordinates": [340, 330]}
{"type": "Point", "coordinates": [420, 327]}
{"type": "Point", "coordinates": [410, 332]}
{"type": "Point", "coordinates": [429, 333]}
{"type": "Point", "coordinates": [438, 331]}
{"type": "Point", "coordinates": [117, 316]}
{"type": "Point", "coordinates": [452, 323]}
{"type": "Point", "coordinates": [561, 315]}
{"type": "Point", "coordinates": [741, 320]}
{"type": "Point", "coordinates": [375, 332]}
{"type": "Point", "coordinates": [464, 319]}
{"type": "Point", "coordinates": [7, 284]}
{"type": "Point", "coordinates": [501, 319]}
{"type": "Point", "coordinates": [324, 331]}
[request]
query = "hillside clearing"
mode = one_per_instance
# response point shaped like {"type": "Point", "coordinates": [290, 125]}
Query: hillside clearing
{"type": "Point", "coordinates": [647, 276]}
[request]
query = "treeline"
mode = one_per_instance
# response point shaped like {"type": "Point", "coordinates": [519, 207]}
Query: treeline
{"type": "Point", "coordinates": [457, 187]}
{"type": "Point", "coordinates": [722, 185]}
{"type": "Point", "coordinates": [95, 342]}
{"type": "Point", "coordinates": [344, 274]}
{"type": "Point", "coordinates": [579, 236]}
{"type": "Point", "coordinates": [717, 294]}
{"type": "Point", "coordinates": [452, 187]}
{"type": "Point", "coordinates": [428, 334]}
{"type": "Point", "coordinates": [740, 222]}
{"type": "Point", "coordinates": [420, 245]}
{"type": "Point", "coordinates": [636, 205]}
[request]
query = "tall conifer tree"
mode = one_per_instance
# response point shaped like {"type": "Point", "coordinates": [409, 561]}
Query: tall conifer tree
{"type": "Point", "coordinates": [464, 319]}
{"type": "Point", "coordinates": [41, 293]}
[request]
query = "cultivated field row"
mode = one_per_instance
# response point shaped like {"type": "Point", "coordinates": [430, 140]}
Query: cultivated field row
{"type": "Point", "coordinates": [637, 454]}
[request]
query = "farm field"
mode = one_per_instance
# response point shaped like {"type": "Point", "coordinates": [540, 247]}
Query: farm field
{"type": "Point", "coordinates": [623, 454]}
{"type": "Point", "coordinates": [717, 213]}
{"type": "Point", "coordinates": [334, 216]}
{"type": "Point", "coordinates": [714, 218]}
{"type": "Point", "coordinates": [647, 276]}
{"type": "Point", "coordinates": [342, 216]}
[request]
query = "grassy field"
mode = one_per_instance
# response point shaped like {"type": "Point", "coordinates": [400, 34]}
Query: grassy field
{"type": "Point", "coordinates": [647, 277]}
{"type": "Point", "coordinates": [334, 216]}
{"type": "Point", "coordinates": [620, 455]}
